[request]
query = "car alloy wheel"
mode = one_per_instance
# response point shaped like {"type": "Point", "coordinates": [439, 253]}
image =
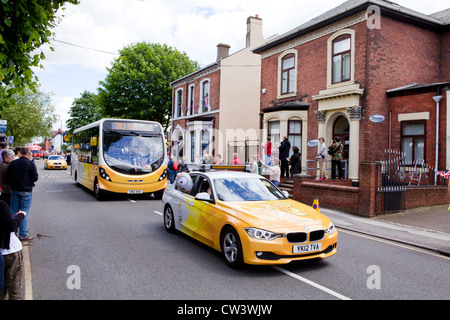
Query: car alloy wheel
{"type": "Point", "coordinates": [231, 248]}
{"type": "Point", "coordinates": [168, 219]}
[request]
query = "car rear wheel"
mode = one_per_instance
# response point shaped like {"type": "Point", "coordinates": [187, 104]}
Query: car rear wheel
{"type": "Point", "coordinates": [232, 248]}
{"type": "Point", "coordinates": [169, 222]}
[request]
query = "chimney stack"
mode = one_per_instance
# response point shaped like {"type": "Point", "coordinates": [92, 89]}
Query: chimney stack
{"type": "Point", "coordinates": [254, 31]}
{"type": "Point", "coordinates": [223, 51]}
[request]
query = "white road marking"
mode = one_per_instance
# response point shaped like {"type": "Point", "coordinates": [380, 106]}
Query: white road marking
{"type": "Point", "coordinates": [158, 213]}
{"type": "Point", "coordinates": [28, 290]}
{"type": "Point", "coordinates": [311, 283]}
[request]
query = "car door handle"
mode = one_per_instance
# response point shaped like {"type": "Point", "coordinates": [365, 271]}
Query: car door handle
{"type": "Point", "coordinates": [191, 204]}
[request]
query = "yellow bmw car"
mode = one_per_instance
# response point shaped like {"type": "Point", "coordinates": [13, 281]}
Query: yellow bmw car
{"type": "Point", "coordinates": [247, 218]}
{"type": "Point", "coordinates": [55, 162]}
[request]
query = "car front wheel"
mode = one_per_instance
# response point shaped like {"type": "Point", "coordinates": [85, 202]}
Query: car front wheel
{"type": "Point", "coordinates": [232, 248]}
{"type": "Point", "coordinates": [169, 222]}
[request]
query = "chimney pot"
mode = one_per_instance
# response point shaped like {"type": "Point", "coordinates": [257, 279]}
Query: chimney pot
{"type": "Point", "coordinates": [223, 51]}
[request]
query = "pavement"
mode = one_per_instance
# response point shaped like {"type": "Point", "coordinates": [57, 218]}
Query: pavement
{"type": "Point", "coordinates": [426, 228]}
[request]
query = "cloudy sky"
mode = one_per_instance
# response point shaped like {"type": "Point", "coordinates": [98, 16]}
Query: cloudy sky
{"type": "Point", "coordinates": [90, 34]}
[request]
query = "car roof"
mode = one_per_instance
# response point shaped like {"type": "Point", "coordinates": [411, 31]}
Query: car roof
{"type": "Point", "coordinates": [221, 174]}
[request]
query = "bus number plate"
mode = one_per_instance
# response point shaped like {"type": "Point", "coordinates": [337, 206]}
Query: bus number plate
{"type": "Point", "coordinates": [135, 191]}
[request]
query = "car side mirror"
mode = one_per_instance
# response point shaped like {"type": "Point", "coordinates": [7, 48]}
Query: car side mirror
{"type": "Point", "coordinates": [285, 193]}
{"type": "Point", "coordinates": [204, 196]}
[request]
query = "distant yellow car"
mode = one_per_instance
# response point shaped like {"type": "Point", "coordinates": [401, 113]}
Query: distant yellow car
{"type": "Point", "coordinates": [247, 218]}
{"type": "Point", "coordinates": [55, 162]}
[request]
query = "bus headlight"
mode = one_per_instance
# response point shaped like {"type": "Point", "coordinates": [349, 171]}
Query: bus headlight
{"type": "Point", "coordinates": [163, 176]}
{"type": "Point", "coordinates": [104, 175]}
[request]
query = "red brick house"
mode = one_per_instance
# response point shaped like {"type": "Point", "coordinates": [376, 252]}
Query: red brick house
{"type": "Point", "coordinates": [362, 71]}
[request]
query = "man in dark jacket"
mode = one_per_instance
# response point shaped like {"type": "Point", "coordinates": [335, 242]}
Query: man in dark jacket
{"type": "Point", "coordinates": [22, 174]}
{"type": "Point", "coordinates": [295, 161]}
{"type": "Point", "coordinates": [284, 148]}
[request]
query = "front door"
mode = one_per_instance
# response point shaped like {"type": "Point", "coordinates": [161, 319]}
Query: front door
{"type": "Point", "coordinates": [341, 129]}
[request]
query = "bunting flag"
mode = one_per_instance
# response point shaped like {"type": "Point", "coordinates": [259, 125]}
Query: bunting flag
{"type": "Point", "coordinates": [445, 174]}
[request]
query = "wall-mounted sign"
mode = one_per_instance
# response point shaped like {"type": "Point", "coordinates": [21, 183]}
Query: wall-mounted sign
{"type": "Point", "coordinates": [377, 118]}
{"type": "Point", "coordinates": [313, 143]}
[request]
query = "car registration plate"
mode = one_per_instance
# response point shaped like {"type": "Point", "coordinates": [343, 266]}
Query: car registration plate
{"type": "Point", "coordinates": [135, 191]}
{"type": "Point", "coordinates": [311, 247]}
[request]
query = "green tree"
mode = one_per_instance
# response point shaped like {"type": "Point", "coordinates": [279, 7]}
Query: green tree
{"type": "Point", "coordinates": [138, 83]}
{"type": "Point", "coordinates": [36, 121]}
{"type": "Point", "coordinates": [24, 26]}
{"type": "Point", "coordinates": [83, 111]}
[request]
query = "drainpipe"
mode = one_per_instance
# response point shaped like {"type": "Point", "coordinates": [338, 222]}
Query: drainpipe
{"type": "Point", "coordinates": [437, 99]}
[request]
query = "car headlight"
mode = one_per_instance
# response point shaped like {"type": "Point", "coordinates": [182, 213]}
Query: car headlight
{"type": "Point", "coordinates": [262, 234]}
{"type": "Point", "coordinates": [331, 228]}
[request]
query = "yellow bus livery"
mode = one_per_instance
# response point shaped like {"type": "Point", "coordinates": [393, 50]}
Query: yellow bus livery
{"type": "Point", "coordinates": [120, 156]}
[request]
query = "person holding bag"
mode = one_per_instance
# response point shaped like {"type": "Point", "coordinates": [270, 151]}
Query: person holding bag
{"type": "Point", "coordinates": [336, 151]}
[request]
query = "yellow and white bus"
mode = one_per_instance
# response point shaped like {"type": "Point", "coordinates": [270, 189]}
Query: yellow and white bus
{"type": "Point", "coordinates": [120, 156]}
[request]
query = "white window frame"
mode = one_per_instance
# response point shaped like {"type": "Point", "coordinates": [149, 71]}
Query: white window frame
{"type": "Point", "coordinates": [330, 83]}
{"type": "Point", "coordinates": [177, 94]}
{"type": "Point", "coordinates": [200, 104]}
{"type": "Point", "coordinates": [280, 75]}
{"type": "Point", "coordinates": [191, 92]}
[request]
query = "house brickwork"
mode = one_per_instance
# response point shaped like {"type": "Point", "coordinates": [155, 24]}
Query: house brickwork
{"type": "Point", "coordinates": [398, 53]}
{"type": "Point", "coordinates": [393, 75]}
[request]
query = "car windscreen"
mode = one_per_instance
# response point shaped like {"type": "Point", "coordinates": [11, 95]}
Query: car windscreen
{"type": "Point", "coordinates": [246, 189]}
{"type": "Point", "coordinates": [132, 152]}
{"type": "Point", "coordinates": [55, 158]}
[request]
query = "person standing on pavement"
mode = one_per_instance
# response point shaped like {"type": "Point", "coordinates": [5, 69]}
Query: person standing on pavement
{"type": "Point", "coordinates": [254, 167]}
{"type": "Point", "coordinates": [10, 253]}
{"type": "Point", "coordinates": [3, 144]}
{"type": "Point", "coordinates": [7, 156]}
{"type": "Point", "coordinates": [284, 148]}
{"type": "Point", "coordinates": [236, 160]}
{"type": "Point", "coordinates": [267, 146]}
{"type": "Point", "coordinates": [336, 151]}
{"type": "Point", "coordinates": [172, 169]}
{"type": "Point", "coordinates": [22, 174]}
{"type": "Point", "coordinates": [321, 159]}
{"type": "Point", "coordinates": [274, 171]}
{"type": "Point", "coordinates": [295, 161]}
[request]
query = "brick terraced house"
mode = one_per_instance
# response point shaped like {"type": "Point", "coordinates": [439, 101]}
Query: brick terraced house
{"type": "Point", "coordinates": [367, 72]}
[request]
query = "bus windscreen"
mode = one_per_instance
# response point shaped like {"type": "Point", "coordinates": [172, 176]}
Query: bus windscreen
{"type": "Point", "coordinates": [132, 148]}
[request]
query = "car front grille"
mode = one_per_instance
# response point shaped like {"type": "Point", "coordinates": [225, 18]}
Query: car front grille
{"type": "Point", "coordinates": [316, 235]}
{"type": "Point", "coordinates": [299, 237]}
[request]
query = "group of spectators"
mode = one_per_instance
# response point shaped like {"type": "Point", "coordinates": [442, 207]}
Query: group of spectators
{"type": "Point", "coordinates": [18, 175]}
{"type": "Point", "coordinates": [277, 160]}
